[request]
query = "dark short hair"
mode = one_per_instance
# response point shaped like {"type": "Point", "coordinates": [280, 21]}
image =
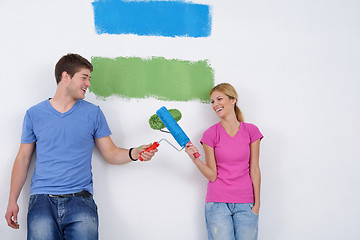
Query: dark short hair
{"type": "Point", "coordinates": [71, 63]}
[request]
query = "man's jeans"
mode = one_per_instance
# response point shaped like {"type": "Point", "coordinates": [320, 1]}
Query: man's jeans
{"type": "Point", "coordinates": [58, 218]}
{"type": "Point", "coordinates": [230, 221]}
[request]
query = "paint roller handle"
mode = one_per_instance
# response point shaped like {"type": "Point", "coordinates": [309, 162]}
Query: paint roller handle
{"type": "Point", "coordinates": [197, 154]}
{"type": "Point", "coordinates": [152, 147]}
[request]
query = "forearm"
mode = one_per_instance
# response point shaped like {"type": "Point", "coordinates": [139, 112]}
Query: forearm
{"type": "Point", "coordinates": [256, 182]}
{"type": "Point", "coordinates": [18, 178]}
{"type": "Point", "coordinates": [208, 169]}
{"type": "Point", "coordinates": [115, 155]}
{"type": "Point", "coordinates": [118, 156]}
{"type": "Point", "coordinates": [209, 173]}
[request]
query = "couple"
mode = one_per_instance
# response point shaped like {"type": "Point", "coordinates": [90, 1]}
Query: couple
{"type": "Point", "coordinates": [64, 131]}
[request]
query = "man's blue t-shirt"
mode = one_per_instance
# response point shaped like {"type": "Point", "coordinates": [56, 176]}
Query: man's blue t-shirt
{"type": "Point", "coordinates": [64, 145]}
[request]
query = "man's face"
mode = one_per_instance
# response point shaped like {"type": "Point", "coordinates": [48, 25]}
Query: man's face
{"type": "Point", "coordinates": [79, 84]}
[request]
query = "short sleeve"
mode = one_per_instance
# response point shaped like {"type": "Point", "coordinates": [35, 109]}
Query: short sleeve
{"type": "Point", "coordinates": [102, 128]}
{"type": "Point", "coordinates": [209, 137]}
{"type": "Point", "coordinates": [254, 133]}
{"type": "Point", "coordinates": [28, 135]}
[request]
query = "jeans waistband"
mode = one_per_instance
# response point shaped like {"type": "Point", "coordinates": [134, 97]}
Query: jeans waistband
{"type": "Point", "coordinates": [78, 194]}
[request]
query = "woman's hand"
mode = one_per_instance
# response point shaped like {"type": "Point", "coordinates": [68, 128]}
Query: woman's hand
{"type": "Point", "coordinates": [190, 149]}
{"type": "Point", "coordinates": [256, 209]}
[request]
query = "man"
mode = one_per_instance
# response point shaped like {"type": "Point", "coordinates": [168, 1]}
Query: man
{"type": "Point", "coordinates": [64, 130]}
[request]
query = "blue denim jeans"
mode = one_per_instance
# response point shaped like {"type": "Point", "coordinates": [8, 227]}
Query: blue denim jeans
{"type": "Point", "coordinates": [54, 218]}
{"type": "Point", "coordinates": [231, 221]}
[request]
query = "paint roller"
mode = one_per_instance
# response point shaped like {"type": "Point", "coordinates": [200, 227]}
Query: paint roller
{"type": "Point", "coordinates": [168, 118]}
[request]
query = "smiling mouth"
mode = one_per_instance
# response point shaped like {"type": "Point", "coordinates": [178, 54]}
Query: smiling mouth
{"type": "Point", "coordinates": [219, 109]}
{"type": "Point", "coordinates": [84, 89]}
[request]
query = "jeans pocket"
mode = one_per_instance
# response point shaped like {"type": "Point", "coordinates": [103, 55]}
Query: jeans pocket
{"type": "Point", "coordinates": [32, 201]}
{"type": "Point", "coordinates": [90, 202]}
{"type": "Point", "coordinates": [210, 205]}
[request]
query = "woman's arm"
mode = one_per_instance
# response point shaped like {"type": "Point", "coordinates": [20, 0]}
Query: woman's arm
{"type": "Point", "coordinates": [255, 173]}
{"type": "Point", "coordinates": [209, 169]}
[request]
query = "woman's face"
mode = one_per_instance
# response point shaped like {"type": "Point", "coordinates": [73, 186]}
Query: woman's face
{"type": "Point", "coordinates": [222, 104]}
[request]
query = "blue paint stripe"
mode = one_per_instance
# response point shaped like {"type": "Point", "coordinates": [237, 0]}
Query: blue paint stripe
{"type": "Point", "coordinates": [152, 18]}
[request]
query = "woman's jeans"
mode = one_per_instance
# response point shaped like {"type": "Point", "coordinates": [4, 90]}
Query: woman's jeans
{"type": "Point", "coordinates": [59, 218]}
{"type": "Point", "coordinates": [231, 221]}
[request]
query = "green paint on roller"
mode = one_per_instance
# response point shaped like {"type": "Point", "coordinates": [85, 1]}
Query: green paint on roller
{"type": "Point", "coordinates": [157, 124]}
{"type": "Point", "coordinates": [163, 79]}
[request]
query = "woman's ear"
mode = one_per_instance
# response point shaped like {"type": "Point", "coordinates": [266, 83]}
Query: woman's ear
{"type": "Point", "coordinates": [233, 101]}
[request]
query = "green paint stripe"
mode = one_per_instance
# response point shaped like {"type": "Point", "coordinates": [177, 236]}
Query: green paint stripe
{"type": "Point", "coordinates": [133, 77]}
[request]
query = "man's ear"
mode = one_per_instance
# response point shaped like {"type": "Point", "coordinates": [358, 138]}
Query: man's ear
{"type": "Point", "coordinates": [65, 76]}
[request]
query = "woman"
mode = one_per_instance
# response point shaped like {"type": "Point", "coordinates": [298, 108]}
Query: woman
{"type": "Point", "coordinates": [232, 166]}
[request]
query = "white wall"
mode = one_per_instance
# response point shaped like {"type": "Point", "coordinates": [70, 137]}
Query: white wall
{"type": "Point", "coordinates": [295, 65]}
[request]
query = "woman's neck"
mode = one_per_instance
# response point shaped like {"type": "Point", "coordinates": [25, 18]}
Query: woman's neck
{"type": "Point", "coordinates": [231, 125]}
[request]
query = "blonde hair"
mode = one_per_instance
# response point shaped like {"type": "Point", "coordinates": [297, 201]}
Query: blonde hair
{"type": "Point", "coordinates": [229, 91]}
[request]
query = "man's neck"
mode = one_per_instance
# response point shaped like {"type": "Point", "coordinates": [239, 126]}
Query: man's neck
{"type": "Point", "coordinates": [62, 103]}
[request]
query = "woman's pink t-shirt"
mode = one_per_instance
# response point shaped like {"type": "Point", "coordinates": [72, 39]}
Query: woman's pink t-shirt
{"type": "Point", "coordinates": [232, 154]}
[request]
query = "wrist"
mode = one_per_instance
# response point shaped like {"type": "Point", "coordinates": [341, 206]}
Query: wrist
{"type": "Point", "coordinates": [13, 199]}
{"type": "Point", "coordinates": [132, 153]}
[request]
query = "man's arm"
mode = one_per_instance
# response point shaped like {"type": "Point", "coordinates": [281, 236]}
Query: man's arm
{"type": "Point", "coordinates": [18, 178]}
{"type": "Point", "coordinates": [115, 155]}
